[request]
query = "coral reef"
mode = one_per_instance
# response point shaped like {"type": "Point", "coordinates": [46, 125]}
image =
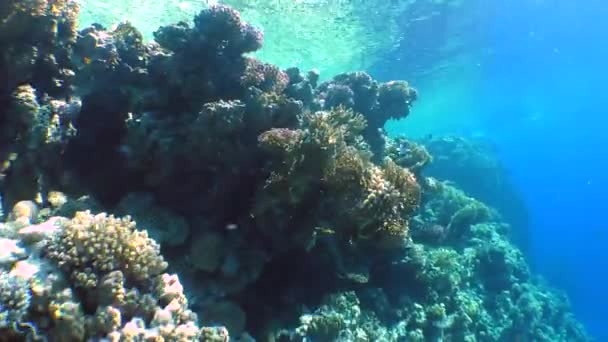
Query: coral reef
{"type": "Point", "coordinates": [90, 277]}
{"type": "Point", "coordinates": [473, 165]}
{"type": "Point", "coordinates": [36, 109]}
{"type": "Point", "coordinates": [278, 200]}
{"type": "Point", "coordinates": [90, 246]}
{"type": "Point", "coordinates": [377, 102]}
{"type": "Point", "coordinates": [474, 286]}
{"type": "Point", "coordinates": [36, 36]}
{"type": "Point", "coordinates": [324, 165]}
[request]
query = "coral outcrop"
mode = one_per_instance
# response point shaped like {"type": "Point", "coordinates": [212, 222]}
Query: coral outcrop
{"type": "Point", "coordinates": [90, 277]}
{"type": "Point", "coordinates": [285, 210]}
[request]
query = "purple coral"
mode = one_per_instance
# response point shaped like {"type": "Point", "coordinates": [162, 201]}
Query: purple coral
{"type": "Point", "coordinates": [266, 77]}
{"type": "Point", "coordinates": [339, 95]}
{"type": "Point", "coordinates": [395, 99]}
{"type": "Point", "coordinates": [253, 39]}
{"type": "Point", "coordinates": [280, 139]}
{"type": "Point", "coordinates": [221, 28]}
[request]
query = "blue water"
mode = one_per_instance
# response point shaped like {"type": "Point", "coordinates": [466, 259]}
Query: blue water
{"type": "Point", "coordinates": [559, 158]}
{"type": "Point", "coordinates": [532, 79]}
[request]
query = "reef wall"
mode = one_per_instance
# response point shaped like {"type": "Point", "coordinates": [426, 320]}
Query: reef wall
{"type": "Point", "coordinates": [276, 198]}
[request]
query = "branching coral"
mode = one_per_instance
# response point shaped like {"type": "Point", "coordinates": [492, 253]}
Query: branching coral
{"type": "Point", "coordinates": [323, 137]}
{"type": "Point", "coordinates": [205, 62]}
{"type": "Point", "coordinates": [281, 140]}
{"type": "Point", "coordinates": [93, 245]}
{"type": "Point", "coordinates": [35, 93]}
{"type": "Point", "coordinates": [328, 156]}
{"type": "Point", "coordinates": [221, 28]}
{"type": "Point", "coordinates": [111, 286]}
{"type": "Point", "coordinates": [391, 195]}
{"type": "Point", "coordinates": [395, 99]}
{"type": "Point", "coordinates": [334, 128]}
{"type": "Point", "coordinates": [377, 102]}
{"type": "Point", "coordinates": [105, 58]}
{"type": "Point", "coordinates": [15, 300]}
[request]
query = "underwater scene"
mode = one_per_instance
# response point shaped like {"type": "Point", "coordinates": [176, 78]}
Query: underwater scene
{"type": "Point", "coordinates": [303, 170]}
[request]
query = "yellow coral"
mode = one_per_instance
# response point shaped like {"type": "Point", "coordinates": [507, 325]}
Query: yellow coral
{"type": "Point", "coordinates": [92, 245]}
{"type": "Point", "coordinates": [348, 169]}
{"type": "Point", "coordinates": [333, 128]}
{"type": "Point", "coordinates": [67, 316]}
{"type": "Point", "coordinates": [392, 234]}
{"type": "Point", "coordinates": [111, 289]}
{"type": "Point", "coordinates": [56, 199]}
{"type": "Point", "coordinates": [405, 182]}
{"type": "Point", "coordinates": [391, 196]}
{"type": "Point", "coordinates": [24, 211]}
{"type": "Point", "coordinates": [108, 319]}
{"type": "Point", "coordinates": [329, 157]}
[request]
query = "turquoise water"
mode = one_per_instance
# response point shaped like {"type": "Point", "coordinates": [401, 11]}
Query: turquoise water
{"type": "Point", "coordinates": [319, 170]}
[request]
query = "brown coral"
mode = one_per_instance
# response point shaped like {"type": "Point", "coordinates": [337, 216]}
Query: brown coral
{"type": "Point", "coordinates": [90, 246]}
{"type": "Point", "coordinates": [338, 126]}
{"type": "Point", "coordinates": [327, 164]}
{"type": "Point", "coordinates": [405, 182]}
{"type": "Point", "coordinates": [348, 169]}
{"type": "Point", "coordinates": [264, 76]}
{"type": "Point", "coordinates": [391, 196]}
{"type": "Point", "coordinates": [281, 140]}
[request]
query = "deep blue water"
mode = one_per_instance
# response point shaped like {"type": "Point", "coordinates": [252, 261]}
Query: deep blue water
{"type": "Point", "coordinates": [559, 159]}
{"type": "Point", "coordinates": [532, 78]}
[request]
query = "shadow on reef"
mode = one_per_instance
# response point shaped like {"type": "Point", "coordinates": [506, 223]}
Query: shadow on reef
{"type": "Point", "coordinates": [285, 210]}
{"type": "Point", "coordinates": [100, 128]}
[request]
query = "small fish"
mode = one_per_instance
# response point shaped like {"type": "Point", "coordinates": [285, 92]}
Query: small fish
{"type": "Point", "coordinates": [323, 230]}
